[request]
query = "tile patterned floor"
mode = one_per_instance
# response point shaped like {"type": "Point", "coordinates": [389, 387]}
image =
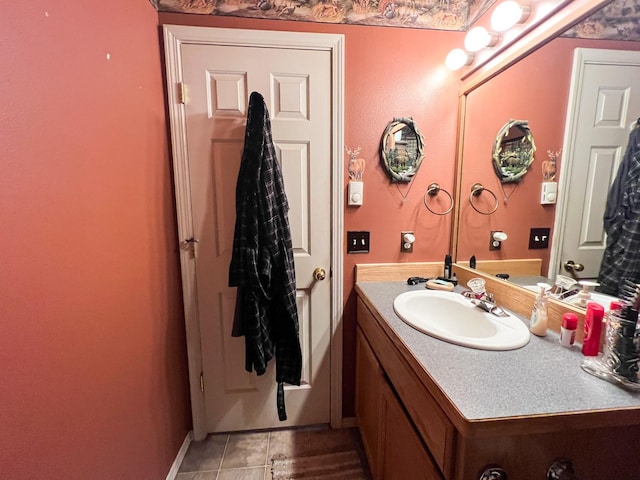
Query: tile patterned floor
{"type": "Point", "coordinates": [247, 455]}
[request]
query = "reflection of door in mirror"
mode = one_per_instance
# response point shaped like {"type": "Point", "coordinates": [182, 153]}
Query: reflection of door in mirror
{"type": "Point", "coordinates": [537, 89]}
{"type": "Point", "coordinates": [605, 101]}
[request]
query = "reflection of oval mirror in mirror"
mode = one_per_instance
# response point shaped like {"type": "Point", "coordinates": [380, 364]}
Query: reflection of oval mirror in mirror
{"type": "Point", "coordinates": [513, 151]}
{"type": "Point", "coordinates": [402, 149]}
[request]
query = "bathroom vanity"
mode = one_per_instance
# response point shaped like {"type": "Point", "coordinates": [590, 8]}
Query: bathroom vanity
{"type": "Point", "coordinates": [428, 409]}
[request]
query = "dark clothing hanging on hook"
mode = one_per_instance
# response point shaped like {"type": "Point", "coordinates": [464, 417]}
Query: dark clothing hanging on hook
{"type": "Point", "coordinates": [621, 259]}
{"type": "Point", "coordinates": [262, 265]}
{"type": "Point", "coordinates": [616, 192]}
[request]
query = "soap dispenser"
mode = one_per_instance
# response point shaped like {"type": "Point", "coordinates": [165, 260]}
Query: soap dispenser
{"type": "Point", "coordinates": [538, 323]}
{"type": "Point", "coordinates": [584, 296]}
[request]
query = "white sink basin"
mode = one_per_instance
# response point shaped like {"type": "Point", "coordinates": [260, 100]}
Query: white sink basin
{"type": "Point", "coordinates": [451, 317]}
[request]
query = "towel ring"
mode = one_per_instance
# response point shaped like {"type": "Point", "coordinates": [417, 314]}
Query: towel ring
{"type": "Point", "coordinates": [476, 190]}
{"type": "Point", "coordinates": [432, 191]}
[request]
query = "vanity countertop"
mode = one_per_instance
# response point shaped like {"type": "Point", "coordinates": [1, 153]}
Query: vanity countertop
{"type": "Point", "coordinates": [541, 378]}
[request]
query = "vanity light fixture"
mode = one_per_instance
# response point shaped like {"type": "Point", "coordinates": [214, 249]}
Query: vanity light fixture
{"type": "Point", "coordinates": [505, 16]}
{"type": "Point", "coordinates": [458, 58]}
{"type": "Point", "coordinates": [478, 38]}
{"type": "Point", "coordinates": [508, 14]}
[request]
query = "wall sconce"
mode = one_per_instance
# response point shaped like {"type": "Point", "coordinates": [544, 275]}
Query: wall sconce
{"type": "Point", "coordinates": [508, 14]}
{"type": "Point", "coordinates": [478, 38]}
{"type": "Point", "coordinates": [458, 58]}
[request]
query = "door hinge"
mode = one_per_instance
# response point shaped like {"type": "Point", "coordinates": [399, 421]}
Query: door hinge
{"type": "Point", "coordinates": [181, 94]}
{"type": "Point", "coordinates": [190, 245]}
{"type": "Point", "coordinates": [201, 382]}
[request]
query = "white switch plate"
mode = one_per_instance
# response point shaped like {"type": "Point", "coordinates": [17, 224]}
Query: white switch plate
{"type": "Point", "coordinates": [355, 192]}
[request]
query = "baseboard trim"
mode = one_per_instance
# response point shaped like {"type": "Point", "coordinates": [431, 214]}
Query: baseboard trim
{"type": "Point", "coordinates": [173, 471]}
{"type": "Point", "coordinates": [349, 422]}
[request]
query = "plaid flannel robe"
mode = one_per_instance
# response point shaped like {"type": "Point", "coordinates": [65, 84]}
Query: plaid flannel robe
{"type": "Point", "coordinates": [621, 259]}
{"type": "Point", "coordinates": [262, 265]}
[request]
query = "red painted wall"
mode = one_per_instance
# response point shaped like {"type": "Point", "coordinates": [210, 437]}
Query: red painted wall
{"type": "Point", "coordinates": [93, 375]}
{"type": "Point", "coordinates": [535, 89]}
{"type": "Point", "coordinates": [390, 72]}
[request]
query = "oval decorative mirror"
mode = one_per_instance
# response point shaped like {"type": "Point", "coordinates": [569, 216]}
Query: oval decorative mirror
{"type": "Point", "coordinates": [402, 149]}
{"type": "Point", "coordinates": [513, 151]}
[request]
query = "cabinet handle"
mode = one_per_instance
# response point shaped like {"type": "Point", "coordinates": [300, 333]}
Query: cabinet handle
{"type": "Point", "coordinates": [561, 469]}
{"type": "Point", "coordinates": [493, 473]}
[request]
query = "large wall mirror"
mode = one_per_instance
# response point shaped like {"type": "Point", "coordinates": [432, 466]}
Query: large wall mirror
{"type": "Point", "coordinates": [536, 89]}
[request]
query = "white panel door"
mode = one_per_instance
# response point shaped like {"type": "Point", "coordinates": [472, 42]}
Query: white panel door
{"type": "Point", "coordinates": [296, 85]}
{"type": "Point", "coordinates": [605, 101]}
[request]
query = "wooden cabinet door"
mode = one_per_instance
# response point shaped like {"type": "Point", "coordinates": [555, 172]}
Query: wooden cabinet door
{"type": "Point", "coordinates": [369, 380]}
{"type": "Point", "coordinates": [404, 455]}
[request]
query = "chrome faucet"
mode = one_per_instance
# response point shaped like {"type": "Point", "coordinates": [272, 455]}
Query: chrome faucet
{"type": "Point", "coordinates": [490, 307]}
{"type": "Point", "coordinates": [481, 298]}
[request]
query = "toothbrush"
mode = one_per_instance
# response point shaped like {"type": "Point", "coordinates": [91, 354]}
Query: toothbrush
{"type": "Point", "coordinates": [630, 293]}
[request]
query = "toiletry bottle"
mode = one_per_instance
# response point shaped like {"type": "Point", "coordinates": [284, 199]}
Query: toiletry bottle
{"type": "Point", "coordinates": [583, 296]}
{"type": "Point", "coordinates": [611, 327]}
{"type": "Point", "coordinates": [538, 323]}
{"type": "Point", "coordinates": [447, 267]}
{"type": "Point", "coordinates": [592, 329]}
{"type": "Point", "coordinates": [568, 329]}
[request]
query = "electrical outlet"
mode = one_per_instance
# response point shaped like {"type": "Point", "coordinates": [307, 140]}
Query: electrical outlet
{"type": "Point", "coordinates": [357, 242]}
{"type": "Point", "coordinates": [406, 242]}
{"type": "Point", "coordinates": [539, 238]}
{"type": "Point", "coordinates": [497, 237]}
{"type": "Point", "coordinates": [493, 243]}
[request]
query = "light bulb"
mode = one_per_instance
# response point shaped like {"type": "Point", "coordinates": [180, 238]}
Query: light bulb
{"type": "Point", "coordinates": [507, 14]}
{"type": "Point", "coordinates": [458, 58]}
{"type": "Point", "coordinates": [478, 38]}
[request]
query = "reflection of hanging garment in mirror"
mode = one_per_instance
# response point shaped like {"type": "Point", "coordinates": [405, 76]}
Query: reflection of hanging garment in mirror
{"type": "Point", "coordinates": [621, 259]}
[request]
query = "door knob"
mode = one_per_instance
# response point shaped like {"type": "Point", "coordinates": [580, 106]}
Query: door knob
{"type": "Point", "coordinates": [571, 266]}
{"type": "Point", "coordinates": [319, 274]}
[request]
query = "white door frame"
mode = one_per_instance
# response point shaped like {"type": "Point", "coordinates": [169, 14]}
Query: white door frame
{"type": "Point", "coordinates": [174, 37]}
{"type": "Point", "coordinates": [582, 58]}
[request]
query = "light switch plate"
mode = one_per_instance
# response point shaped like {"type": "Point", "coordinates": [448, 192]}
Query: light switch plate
{"type": "Point", "coordinates": [539, 238]}
{"type": "Point", "coordinates": [357, 242]}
